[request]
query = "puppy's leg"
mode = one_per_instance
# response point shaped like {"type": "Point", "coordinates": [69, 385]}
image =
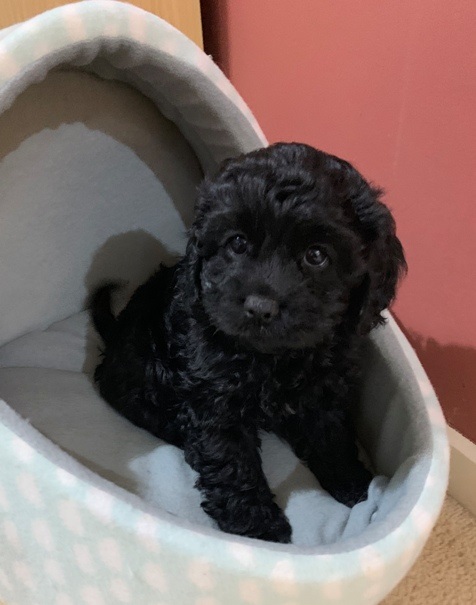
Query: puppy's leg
{"type": "Point", "coordinates": [325, 441]}
{"type": "Point", "coordinates": [236, 493]}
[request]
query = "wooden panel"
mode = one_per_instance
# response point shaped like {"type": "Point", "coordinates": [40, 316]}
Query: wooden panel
{"type": "Point", "coordinates": [182, 14]}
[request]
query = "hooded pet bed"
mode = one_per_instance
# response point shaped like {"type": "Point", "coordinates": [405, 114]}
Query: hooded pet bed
{"type": "Point", "coordinates": [109, 118]}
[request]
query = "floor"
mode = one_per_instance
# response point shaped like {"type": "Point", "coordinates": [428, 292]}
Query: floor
{"type": "Point", "coordinates": [445, 574]}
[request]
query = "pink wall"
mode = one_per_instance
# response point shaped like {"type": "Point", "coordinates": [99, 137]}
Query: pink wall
{"type": "Point", "coordinates": [391, 86]}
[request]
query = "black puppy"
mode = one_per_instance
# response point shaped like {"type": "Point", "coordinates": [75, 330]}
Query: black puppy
{"type": "Point", "coordinates": [291, 259]}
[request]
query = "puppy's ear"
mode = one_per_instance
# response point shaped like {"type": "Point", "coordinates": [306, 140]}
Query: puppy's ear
{"type": "Point", "coordinates": [384, 257]}
{"type": "Point", "coordinates": [198, 244]}
{"type": "Point", "coordinates": [203, 232]}
{"type": "Point", "coordinates": [192, 263]}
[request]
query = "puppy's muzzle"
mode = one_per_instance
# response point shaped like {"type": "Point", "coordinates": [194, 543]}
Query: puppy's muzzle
{"type": "Point", "coordinates": [260, 308]}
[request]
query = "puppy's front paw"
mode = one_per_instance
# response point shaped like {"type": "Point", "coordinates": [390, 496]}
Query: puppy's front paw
{"type": "Point", "coordinates": [350, 489]}
{"type": "Point", "coordinates": [255, 520]}
{"type": "Point", "coordinates": [277, 529]}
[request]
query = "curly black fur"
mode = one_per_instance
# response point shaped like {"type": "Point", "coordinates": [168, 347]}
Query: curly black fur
{"type": "Point", "coordinates": [291, 259]}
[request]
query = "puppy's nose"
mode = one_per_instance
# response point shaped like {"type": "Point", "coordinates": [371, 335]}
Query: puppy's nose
{"type": "Point", "coordinates": [261, 308]}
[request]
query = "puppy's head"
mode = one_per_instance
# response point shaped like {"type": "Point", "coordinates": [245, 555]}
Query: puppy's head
{"type": "Point", "coordinates": [290, 245]}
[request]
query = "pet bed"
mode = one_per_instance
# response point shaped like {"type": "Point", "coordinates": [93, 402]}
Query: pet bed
{"type": "Point", "coordinates": [109, 118]}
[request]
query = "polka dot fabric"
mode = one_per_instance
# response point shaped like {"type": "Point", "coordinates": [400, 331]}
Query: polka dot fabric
{"type": "Point", "coordinates": [68, 537]}
{"type": "Point", "coordinates": [69, 542]}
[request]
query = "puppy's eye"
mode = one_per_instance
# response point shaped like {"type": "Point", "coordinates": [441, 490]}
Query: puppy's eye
{"type": "Point", "coordinates": [238, 244]}
{"type": "Point", "coordinates": [316, 257]}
